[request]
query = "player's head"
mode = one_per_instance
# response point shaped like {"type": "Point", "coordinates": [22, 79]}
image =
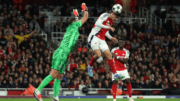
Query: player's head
{"type": "Point", "coordinates": [178, 38]}
{"type": "Point", "coordinates": [71, 20]}
{"type": "Point", "coordinates": [114, 16]}
{"type": "Point", "coordinates": [121, 42]}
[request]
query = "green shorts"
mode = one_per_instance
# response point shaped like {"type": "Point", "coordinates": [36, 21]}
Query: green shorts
{"type": "Point", "coordinates": [59, 59]}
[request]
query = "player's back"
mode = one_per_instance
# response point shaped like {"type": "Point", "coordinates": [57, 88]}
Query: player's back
{"type": "Point", "coordinates": [123, 54]}
{"type": "Point", "coordinates": [99, 31]}
{"type": "Point", "coordinates": [71, 35]}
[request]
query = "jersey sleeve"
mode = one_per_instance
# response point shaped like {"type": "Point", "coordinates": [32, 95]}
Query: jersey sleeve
{"type": "Point", "coordinates": [101, 19]}
{"type": "Point", "coordinates": [127, 54]}
{"type": "Point", "coordinates": [78, 23]}
{"type": "Point", "coordinates": [108, 35]}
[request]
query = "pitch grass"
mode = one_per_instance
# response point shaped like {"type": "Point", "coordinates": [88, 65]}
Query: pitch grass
{"type": "Point", "coordinates": [83, 99]}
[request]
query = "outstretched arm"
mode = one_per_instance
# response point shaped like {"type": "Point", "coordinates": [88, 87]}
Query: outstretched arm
{"type": "Point", "coordinates": [84, 18]}
{"type": "Point", "coordinates": [32, 32]}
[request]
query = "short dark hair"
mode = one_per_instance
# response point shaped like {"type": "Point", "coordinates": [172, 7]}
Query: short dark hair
{"type": "Point", "coordinates": [123, 39]}
{"type": "Point", "coordinates": [119, 15]}
{"type": "Point", "coordinates": [70, 21]}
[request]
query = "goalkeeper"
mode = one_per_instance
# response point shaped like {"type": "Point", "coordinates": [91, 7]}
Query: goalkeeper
{"type": "Point", "coordinates": [59, 59]}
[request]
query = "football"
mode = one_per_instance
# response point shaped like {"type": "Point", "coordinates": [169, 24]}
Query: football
{"type": "Point", "coordinates": [117, 8]}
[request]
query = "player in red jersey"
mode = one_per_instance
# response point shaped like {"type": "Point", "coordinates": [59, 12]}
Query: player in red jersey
{"type": "Point", "coordinates": [97, 41]}
{"type": "Point", "coordinates": [121, 56]}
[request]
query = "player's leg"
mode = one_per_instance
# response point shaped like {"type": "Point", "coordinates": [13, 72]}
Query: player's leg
{"type": "Point", "coordinates": [56, 85]}
{"type": "Point", "coordinates": [58, 80]}
{"type": "Point", "coordinates": [105, 49]}
{"type": "Point", "coordinates": [128, 83]}
{"type": "Point", "coordinates": [114, 87]}
{"type": "Point", "coordinates": [97, 55]}
{"type": "Point", "coordinates": [56, 62]}
{"type": "Point", "coordinates": [108, 55]}
{"type": "Point", "coordinates": [94, 43]}
{"type": "Point", "coordinates": [50, 77]}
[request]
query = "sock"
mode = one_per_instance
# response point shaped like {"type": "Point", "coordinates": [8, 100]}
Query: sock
{"type": "Point", "coordinates": [111, 64]}
{"type": "Point", "coordinates": [45, 82]}
{"type": "Point", "coordinates": [129, 88]}
{"type": "Point", "coordinates": [114, 89]}
{"type": "Point", "coordinates": [56, 98]}
{"type": "Point", "coordinates": [56, 87]}
{"type": "Point", "coordinates": [92, 61]}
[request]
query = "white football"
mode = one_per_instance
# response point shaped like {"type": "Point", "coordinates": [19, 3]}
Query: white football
{"type": "Point", "coordinates": [117, 8]}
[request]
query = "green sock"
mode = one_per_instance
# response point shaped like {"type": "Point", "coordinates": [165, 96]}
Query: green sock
{"type": "Point", "coordinates": [45, 82]}
{"type": "Point", "coordinates": [56, 87]}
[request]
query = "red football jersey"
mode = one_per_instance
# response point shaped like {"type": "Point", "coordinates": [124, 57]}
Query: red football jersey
{"type": "Point", "coordinates": [123, 54]}
{"type": "Point", "coordinates": [105, 20]}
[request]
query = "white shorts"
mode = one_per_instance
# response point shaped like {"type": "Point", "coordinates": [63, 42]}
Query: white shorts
{"type": "Point", "coordinates": [122, 73]}
{"type": "Point", "coordinates": [97, 43]}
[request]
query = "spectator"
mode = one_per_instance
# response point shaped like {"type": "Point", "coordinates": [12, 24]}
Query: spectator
{"type": "Point", "coordinates": [176, 31]}
{"type": "Point", "coordinates": [137, 84]}
{"type": "Point", "coordinates": [11, 83]}
{"type": "Point", "coordinates": [7, 36]}
{"type": "Point", "coordinates": [74, 85]}
{"type": "Point", "coordinates": [22, 36]}
{"type": "Point", "coordinates": [81, 86]}
{"type": "Point", "coordinates": [33, 25]}
{"type": "Point", "coordinates": [134, 44]}
{"type": "Point", "coordinates": [158, 11]}
{"type": "Point", "coordinates": [95, 81]}
{"type": "Point", "coordinates": [122, 30]}
{"type": "Point", "coordinates": [172, 8]}
{"type": "Point", "coordinates": [133, 6]}
{"type": "Point", "coordinates": [106, 85]}
{"type": "Point", "coordinates": [82, 65]}
{"type": "Point", "coordinates": [165, 85]}
{"type": "Point", "coordinates": [20, 29]}
{"type": "Point", "coordinates": [149, 30]}
{"type": "Point", "coordinates": [21, 82]}
{"type": "Point", "coordinates": [174, 83]}
{"type": "Point", "coordinates": [95, 10]}
{"type": "Point", "coordinates": [147, 85]}
{"type": "Point", "coordinates": [90, 85]}
{"type": "Point", "coordinates": [157, 85]}
{"type": "Point", "coordinates": [4, 84]}
{"type": "Point", "coordinates": [63, 84]}
{"type": "Point", "coordinates": [99, 85]}
{"type": "Point", "coordinates": [9, 30]}
{"type": "Point", "coordinates": [24, 44]}
{"type": "Point", "coordinates": [171, 16]}
{"type": "Point", "coordinates": [72, 66]}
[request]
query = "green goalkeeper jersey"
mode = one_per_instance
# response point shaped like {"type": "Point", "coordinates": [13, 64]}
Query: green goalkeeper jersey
{"type": "Point", "coordinates": [71, 36]}
{"type": "Point", "coordinates": [59, 58]}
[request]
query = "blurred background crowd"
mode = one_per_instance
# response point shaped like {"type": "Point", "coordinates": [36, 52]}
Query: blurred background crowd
{"type": "Point", "coordinates": [25, 58]}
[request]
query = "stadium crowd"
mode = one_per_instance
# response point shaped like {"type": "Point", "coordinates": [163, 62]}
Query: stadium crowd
{"type": "Point", "coordinates": [25, 58]}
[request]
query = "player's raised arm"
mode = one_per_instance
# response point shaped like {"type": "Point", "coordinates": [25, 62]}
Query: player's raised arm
{"type": "Point", "coordinates": [85, 17]}
{"type": "Point", "coordinates": [100, 21]}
